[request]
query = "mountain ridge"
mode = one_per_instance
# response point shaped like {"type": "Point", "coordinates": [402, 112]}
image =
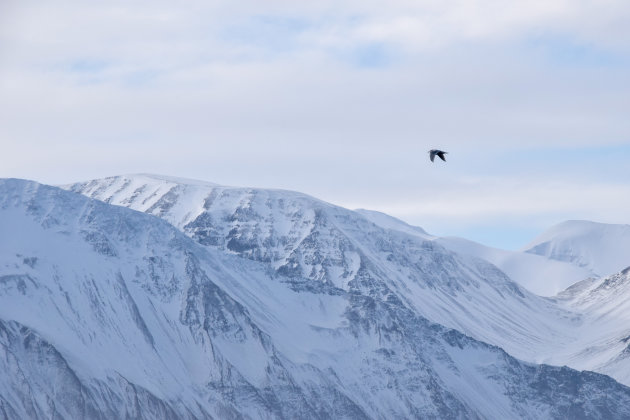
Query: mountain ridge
{"type": "Point", "coordinates": [306, 238]}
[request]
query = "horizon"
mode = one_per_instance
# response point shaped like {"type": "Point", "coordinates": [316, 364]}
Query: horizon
{"type": "Point", "coordinates": [475, 234]}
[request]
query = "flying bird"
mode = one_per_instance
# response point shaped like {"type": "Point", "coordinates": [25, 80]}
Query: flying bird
{"type": "Point", "coordinates": [437, 152]}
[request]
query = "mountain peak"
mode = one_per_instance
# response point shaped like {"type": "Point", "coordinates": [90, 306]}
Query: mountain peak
{"type": "Point", "coordinates": [602, 248]}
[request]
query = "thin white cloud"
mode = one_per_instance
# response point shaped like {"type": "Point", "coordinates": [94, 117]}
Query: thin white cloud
{"type": "Point", "coordinates": [483, 201]}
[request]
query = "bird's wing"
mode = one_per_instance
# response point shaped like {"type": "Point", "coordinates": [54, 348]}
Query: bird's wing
{"type": "Point", "coordinates": [432, 155]}
{"type": "Point", "coordinates": [441, 155]}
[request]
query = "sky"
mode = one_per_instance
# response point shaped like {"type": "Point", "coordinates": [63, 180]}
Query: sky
{"type": "Point", "coordinates": [337, 99]}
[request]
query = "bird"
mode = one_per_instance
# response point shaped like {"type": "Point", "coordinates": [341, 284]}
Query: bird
{"type": "Point", "coordinates": [434, 152]}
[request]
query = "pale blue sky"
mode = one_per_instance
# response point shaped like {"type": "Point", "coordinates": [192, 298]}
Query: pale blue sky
{"type": "Point", "coordinates": [338, 99]}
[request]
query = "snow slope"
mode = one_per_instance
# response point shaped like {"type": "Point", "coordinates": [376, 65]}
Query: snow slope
{"type": "Point", "coordinates": [606, 303]}
{"type": "Point", "coordinates": [106, 312]}
{"type": "Point", "coordinates": [541, 275]}
{"type": "Point", "coordinates": [537, 273]}
{"type": "Point", "coordinates": [602, 249]}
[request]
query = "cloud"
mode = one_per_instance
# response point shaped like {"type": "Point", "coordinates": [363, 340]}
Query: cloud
{"type": "Point", "coordinates": [339, 99]}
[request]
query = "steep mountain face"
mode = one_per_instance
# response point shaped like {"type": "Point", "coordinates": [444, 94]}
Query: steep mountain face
{"type": "Point", "coordinates": [319, 247]}
{"type": "Point", "coordinates": [537, 273]}
{"type": "Point", "coordinates": [110, 313]}
{"type": "Point", "coordinates": [106, 313]}
{"type": "Point", "coordinates": [603, 249]}
{"type": "Point", "coordinates": [605, 301]}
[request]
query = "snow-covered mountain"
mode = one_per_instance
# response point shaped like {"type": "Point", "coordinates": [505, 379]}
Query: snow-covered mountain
{"type": "Point", "coordinates": [320, 247]}
{"type": "Point", "coordinates": [601, 248]}
{"type": "Point", "coordinates": [106, 312]}
{"type": "Point", "coordinates": [537, 273]}
{"type": "Point", "coordinates": [316, 245]}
